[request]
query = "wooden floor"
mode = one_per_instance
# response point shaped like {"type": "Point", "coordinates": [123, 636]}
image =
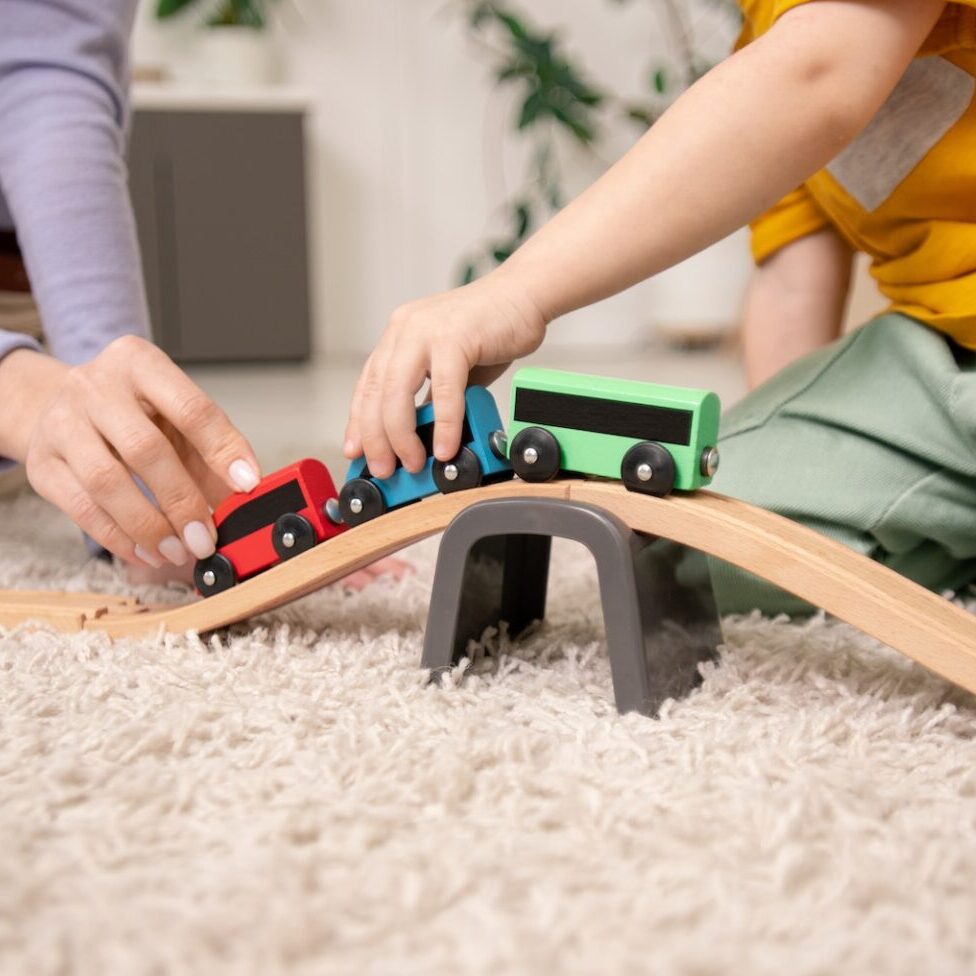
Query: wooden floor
{"type": "Point", "coordinates": [920, 624]}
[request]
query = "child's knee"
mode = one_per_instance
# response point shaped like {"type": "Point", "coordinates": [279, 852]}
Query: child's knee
{"type": "Point", "coordinates": [756, 468]}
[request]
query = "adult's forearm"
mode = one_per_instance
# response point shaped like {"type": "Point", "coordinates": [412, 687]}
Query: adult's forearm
{"type": "Point", "coordinates": [64, 178]}
{"type": "Point", "coordinates": [752, 129]}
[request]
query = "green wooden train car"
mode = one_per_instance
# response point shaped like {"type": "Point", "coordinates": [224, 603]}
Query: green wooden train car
{"type": "Point", "coordinates": [652, 437]}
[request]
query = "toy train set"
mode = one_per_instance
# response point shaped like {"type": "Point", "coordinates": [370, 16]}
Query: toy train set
{"type": "Point", "coordinates": [653, 438]}
{"type": "Point", "coordinates": [629, 441]}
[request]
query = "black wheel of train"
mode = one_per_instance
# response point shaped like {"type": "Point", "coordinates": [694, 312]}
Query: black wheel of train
{"type": "Point", "coordinates": [535, 454]}
{"type": "Point", "coordinates": [291, 535]}
{"type": "Point", "coordinates": [648, 468]}
{"type": "Point", "coordinates": [359, 501]}
{"type": "Point", "coordinates": [214, 575]}
{"type": "Point", "coordinates": [461, 472]}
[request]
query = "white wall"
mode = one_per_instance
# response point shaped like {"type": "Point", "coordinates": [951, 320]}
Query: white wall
{"type": "Point", "coordinates": [410, 152]}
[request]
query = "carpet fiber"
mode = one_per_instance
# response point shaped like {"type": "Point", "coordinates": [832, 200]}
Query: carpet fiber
{"type": "Point", "coordinates": [290, 797]}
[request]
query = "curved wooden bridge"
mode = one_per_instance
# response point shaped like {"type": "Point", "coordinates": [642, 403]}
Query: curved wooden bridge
{"type": "Point", "coordinates": [908, 618]}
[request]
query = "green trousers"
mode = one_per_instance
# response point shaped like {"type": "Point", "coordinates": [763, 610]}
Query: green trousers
{"type": "Point", "coordinates": [871, 441]}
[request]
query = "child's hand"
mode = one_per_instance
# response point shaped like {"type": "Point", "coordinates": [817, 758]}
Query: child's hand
{"type": "Point", "coordinates": [131, 411]}
{"type": "Point", "coordinates": [467, 335]}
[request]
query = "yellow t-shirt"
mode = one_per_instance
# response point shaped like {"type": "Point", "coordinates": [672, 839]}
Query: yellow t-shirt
{"type": "Point", "coordinates": [904, 192]}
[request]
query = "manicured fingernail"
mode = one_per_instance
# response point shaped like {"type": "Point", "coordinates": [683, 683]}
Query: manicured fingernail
{"type": "Point", "coordinates": [198, 540]}
{"type": "Point", "coordinates": [148, 558]}
{"type": "Point", "coordinates": [173, 550]}
{"type": "Point", "coordinates": [243, 476]}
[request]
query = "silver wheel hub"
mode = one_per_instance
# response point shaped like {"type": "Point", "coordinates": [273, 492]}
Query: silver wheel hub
{"type": "Point", "coordinates": [498, 441]}
{"type": "Point", "coordinates": [288, 540]}
{"type": "Point", "coordinates": [332, 512]}
{"type": "Point", "coordinates": [709, 461]}
{"type": "Point", "coordinates": [530, 455]}
{"type": "Point", "coordinates": [451, 472]}
{"type": "Point", "coordinates": [209, 577]}
{"type": "Point", "coordinates": [356, 505]}
{"type": "Point", "coordinates": [644, 472]}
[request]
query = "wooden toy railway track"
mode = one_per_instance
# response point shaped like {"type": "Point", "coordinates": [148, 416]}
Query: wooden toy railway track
{"type": "Point", "coordinates": [897, 612]}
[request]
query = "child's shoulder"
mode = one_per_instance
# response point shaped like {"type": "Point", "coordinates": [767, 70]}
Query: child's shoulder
{"type": "Point", "coordinates": [955, 29]}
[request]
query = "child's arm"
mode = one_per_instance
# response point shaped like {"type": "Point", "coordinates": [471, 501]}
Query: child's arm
{"type": "Point", "coordinates": [795, 303]}
{"type": "Point", "coordinates": [752, 129]}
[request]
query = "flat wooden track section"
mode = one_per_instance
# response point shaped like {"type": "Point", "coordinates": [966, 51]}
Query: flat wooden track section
{"type": "Point", "coordinates": [899, 613]}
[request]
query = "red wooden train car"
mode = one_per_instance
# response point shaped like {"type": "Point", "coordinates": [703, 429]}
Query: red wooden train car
{"type": "Point", "coordinates": [288, 513]}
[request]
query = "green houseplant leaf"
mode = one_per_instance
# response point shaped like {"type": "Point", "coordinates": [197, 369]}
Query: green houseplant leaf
{"type": "Point", "coordinates": [229, 13]}
{"type": "Point", "coordinates": [238, 13]}
{"type": "Point", "coordinates": [166, 8]}
{"type": "Point", "coordinates": [556, 100]}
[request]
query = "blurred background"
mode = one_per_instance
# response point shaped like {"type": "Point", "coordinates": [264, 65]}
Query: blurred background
{"type": "Point", "coordinates": [301, 167]}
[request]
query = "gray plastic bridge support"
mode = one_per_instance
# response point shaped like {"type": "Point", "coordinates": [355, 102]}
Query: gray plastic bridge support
{"type": "Point", "coordinates": [493, 566]}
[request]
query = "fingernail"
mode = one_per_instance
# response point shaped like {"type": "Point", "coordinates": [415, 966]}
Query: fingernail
{"type": "Point", "coordinates": [348, 448]}
{"type": "Point", "coordinates": [198, 540]}
{"type": "Point", "coordinates": [148, 558]}
{"type": "Point", "coordinates": [173, 550]}
{"type": "Point", "coordinates": [243, 477]}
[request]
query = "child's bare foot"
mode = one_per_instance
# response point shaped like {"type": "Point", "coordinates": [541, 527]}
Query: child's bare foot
{"type": "Point", "coordinates": [390, 566]}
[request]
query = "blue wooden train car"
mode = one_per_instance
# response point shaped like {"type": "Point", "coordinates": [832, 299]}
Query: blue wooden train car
{"type": "Point", "coordinates": [483, 457]}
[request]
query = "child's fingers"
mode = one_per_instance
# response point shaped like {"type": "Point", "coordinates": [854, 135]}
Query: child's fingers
{"type": "Point", "coordinates": [352, 444]}
{"type": "Point", "coordinates": [195, 415]}
{"type": "Point", "coordinates": [448, 379]}
{"type": "Point", "coordinates": [380, 457]}
{"type": "Point", "coordinates": [486, 375]}
{"type": "Point", "coordinates": [406, 372]}
{"type": "Point", "coordinates": [149, 454]}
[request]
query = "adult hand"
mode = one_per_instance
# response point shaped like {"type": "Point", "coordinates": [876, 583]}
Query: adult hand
{"type": "Point", "coordinates": [132, 412]}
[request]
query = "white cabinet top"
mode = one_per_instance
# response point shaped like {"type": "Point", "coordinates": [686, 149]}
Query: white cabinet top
{"type": "Point", "coordinates": [173, 97]}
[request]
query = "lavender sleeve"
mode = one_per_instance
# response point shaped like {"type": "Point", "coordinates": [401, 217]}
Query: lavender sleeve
{"type": "Point", "coordinates": [63, 181]}
{"type": "Point", "coordinates": [9, 341]}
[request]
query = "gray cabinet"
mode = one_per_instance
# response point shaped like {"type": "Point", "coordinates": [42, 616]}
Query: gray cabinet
{"type": "Point", "coordinates": [219, 198]}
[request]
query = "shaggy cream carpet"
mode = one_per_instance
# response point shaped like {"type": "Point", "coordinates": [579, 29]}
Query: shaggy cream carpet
{"type": "Point", "coordinates": [292, 798]}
